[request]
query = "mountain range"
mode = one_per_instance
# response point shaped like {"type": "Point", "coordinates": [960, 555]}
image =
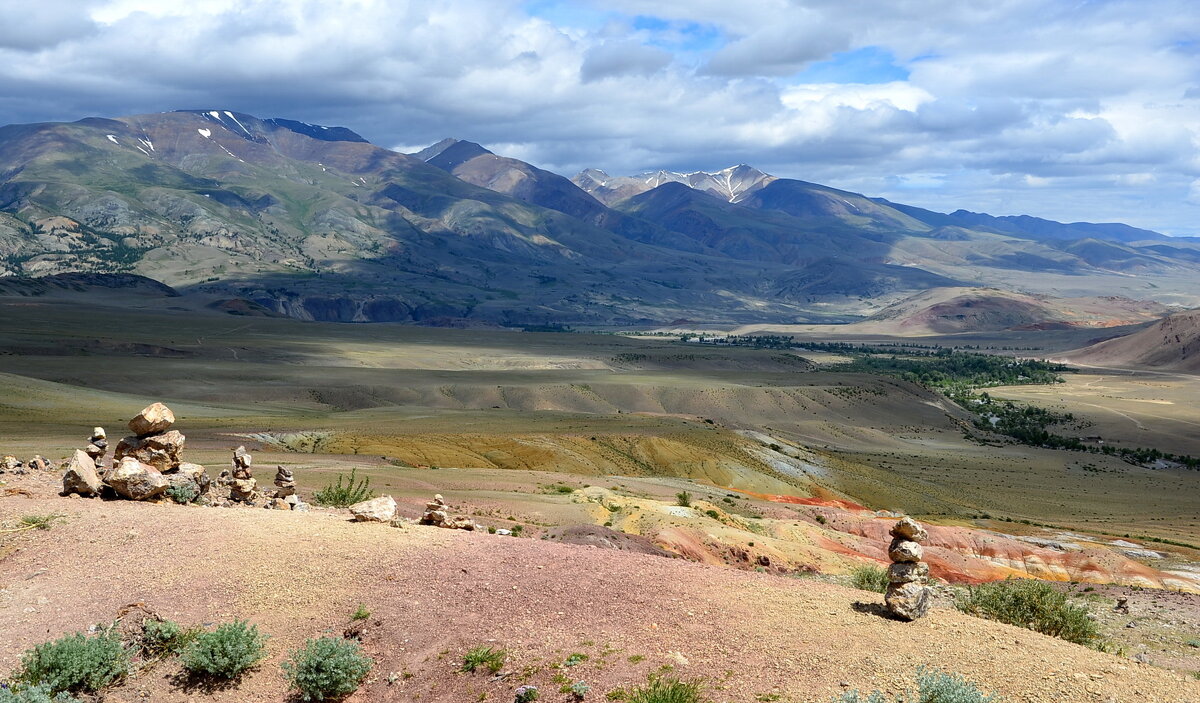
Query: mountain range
{"type": "Point", "coordinates": [315, 222]}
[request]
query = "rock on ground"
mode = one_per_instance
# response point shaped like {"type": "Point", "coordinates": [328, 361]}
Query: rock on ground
{"type": "Point", "coordinates": [381, 509]}
{"type": "Point", "coordinates": [153, 418]}
{"type": "Point", "coordinates": [135, 480]}
{"type": "Point", "coordinates": [81, 476]}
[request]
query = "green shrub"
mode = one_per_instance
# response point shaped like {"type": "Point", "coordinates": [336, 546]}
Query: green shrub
{"type": "Point", "coordinates": [225, 652]}
{"type": "Point", "coordinates": [75, 663]}
{"type": "Point", "coordinates": [38, 521]}
{"type": "Point", "coordinates": [526, 694]}
{"type": "Point", "coordinates": [361, 613]}
{"type": "Point", "coordinates": [684, 499]}
{"type": "Point", "coordinates": [339, 495]}
{"type": "Point", "coordinates": [575, 659]}
{"type": "Point", "coordinates": [713, 514]}
{"type": "Point", "coordinates": [165, 637]}
{"type": "Point", "coordinates": [183, 493]}
{"type": "Point", "coordinates": [490, 657]}
{"type": "Point", "coordinates": [661, 690]}
{"type": "Point", "coordinates": [327, 667]}
{"type": "Point", "coordinates": [932, 687]}
{"type": "Point", "coordinates": [34, 694]}
{"type": "Point", "coordinates": [869, 577]}
{"type": "Point", "coordinates": [1033, 604]}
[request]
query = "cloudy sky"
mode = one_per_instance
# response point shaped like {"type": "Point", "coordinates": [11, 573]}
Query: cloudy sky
{"type": "Point", "coordinates": [1067, 109]}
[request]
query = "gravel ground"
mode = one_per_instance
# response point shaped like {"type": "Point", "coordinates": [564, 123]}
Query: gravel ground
{"type": "Point", "coordinates": [434, 594]}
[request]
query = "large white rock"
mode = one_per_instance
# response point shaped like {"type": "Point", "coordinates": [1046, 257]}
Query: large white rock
{"type": "Point", "coordinates": [81, 476]}
{"type": "Point", "coordinates": [153, 418]}
{"type": "Point", "coordinates": [135, 480]}
{"type": "Point", "coordinates": [382, 509]}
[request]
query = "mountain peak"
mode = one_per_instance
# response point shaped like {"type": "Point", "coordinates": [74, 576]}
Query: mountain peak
{"type": "Point", "coordinates": [730, 184]}
{"type": "Point", "coordinates": [450, 153]}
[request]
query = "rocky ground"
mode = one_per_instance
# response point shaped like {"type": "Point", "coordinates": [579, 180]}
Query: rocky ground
{"type": "Point", "coordinates": [435, 593]}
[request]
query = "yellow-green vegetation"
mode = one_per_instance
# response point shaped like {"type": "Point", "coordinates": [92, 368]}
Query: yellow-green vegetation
{"type": "Point", "coordinates": [490, 658]}
{"type": "Point", "coordinates": [869, 577]}
{"type": "Point", "coordinates": [1036, 605]}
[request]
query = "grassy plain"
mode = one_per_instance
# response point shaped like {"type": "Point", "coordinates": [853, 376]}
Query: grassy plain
{"type": "Point", "coordinates": [397, 400]}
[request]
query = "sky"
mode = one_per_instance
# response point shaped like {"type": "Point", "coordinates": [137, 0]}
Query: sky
{"type": "Point", "coordinates": [1074, 110]}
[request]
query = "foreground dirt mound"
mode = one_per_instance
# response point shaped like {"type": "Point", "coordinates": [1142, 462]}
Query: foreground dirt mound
{"type": "Point", "coordinates": [433, 594]}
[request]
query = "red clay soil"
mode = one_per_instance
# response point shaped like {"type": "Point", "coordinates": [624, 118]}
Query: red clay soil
{"type": "Point", "coordinates": [436, 593]}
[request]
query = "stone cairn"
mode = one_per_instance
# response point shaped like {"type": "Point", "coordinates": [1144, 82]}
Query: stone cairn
{"type": "Point", "coordinates": [907, 595]}
{"type": "Point", "coordinates": [97, 446]}
{"type": "Point", "coordinates": [243, 487]}
{"type": "Point", "coordinates": [437, 514]}
{"type": "Point", "coordinates": [286, 497]}
{"type": "Point", "coordinates": [145, 464]}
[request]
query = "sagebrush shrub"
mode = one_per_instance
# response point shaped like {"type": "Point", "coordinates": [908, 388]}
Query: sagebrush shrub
{"type": "Point", "coordinates": [1035, 605]}
{"type": "Point", "coordinates": [869, 577]}
{"type": "Point", "coordinates": [226, 651]}
{"type": "Point", "coordinates": [932, 687]}
{"type": "Point", "coordinates": [75, 663]}
{"type": "Point", "coordinates": [34, 694]}
{"type": "Point", "coordinates": [327, 667]}
{"type": "Point", "coordinates": [337, 495]}
{"type": "Point", "coordinates": [660, 690]}
{"type": "Point", "coordinates": [183, 493]}
{"type": "Point", "coordinates": [166, 637]}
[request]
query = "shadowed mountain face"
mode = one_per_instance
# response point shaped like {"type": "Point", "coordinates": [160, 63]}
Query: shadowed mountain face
{"type": "Point", "coordinates": [315, 222]}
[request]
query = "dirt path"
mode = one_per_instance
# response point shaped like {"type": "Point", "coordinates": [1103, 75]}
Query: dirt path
{"type": "Point", "coordinates": [435, 593]}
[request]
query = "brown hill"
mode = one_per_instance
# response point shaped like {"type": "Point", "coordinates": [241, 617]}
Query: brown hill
{"type": "Point", "coordinates": [1172, 343]}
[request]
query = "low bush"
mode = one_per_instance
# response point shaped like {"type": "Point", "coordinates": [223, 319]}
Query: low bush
{"type": "Point", "coordinates": [683, 499]}
{"type": "Point", "coordinates": [161, 637]}
{"type": "Point", "coordinates": [526, 694]}
{"type": "Point", "coordinates": [869, 577]}
{"type": "Point", "coordinates": [75, 663]}
{"type": "Point", "coordinates": [343, 495]}
{"type": "Point", "coordinates": [327, 667]}
{"type": "Point", "coordinates": [33, 694]}
{"type": "Point", "coordinates": [932, 687]}
{"type": "Point", "coordinates": [660, 690]}
{"type": "Point", "coordinates": [361, 613]}
{"type": "Point", "coordinates": [183, 493]}
{"type": "Point", "coordinates": [1035, 605]}
{"type": "Point", "coordinates": [489, 657]}
{"type": "Point", "coordinates": [225, 652]}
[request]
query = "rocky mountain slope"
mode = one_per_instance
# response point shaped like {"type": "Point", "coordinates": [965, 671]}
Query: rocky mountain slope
{"type": "Point", "coordinates": [314, 222]}
{"type": "Point", "coordinates": [1171, 344]}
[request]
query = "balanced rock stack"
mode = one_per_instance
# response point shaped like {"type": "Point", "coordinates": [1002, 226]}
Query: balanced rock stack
{"type": "Point", "coordinates": [97, 445]}
{"type": "Point", "coordinates": [907, 595]}
{"type": "Point", "coordinates": [140, 460]}
{"type": "Point", "coordinates": [436, 514]}
{"type": "Point", "coordinates": [286, 497]}
{"type": "Point", "coordinates": [243, 486]}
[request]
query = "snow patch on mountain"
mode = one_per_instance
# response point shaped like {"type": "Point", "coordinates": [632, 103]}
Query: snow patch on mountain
{"type": "Point", "coordinates": [731, 184]}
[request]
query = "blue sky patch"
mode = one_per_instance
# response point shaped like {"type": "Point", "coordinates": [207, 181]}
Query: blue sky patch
{"type": "Point", "coordinates": [870, 64]}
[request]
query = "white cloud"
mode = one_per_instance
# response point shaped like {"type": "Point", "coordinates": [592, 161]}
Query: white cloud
{"type": "Point", "coordinates": [1093, 102]}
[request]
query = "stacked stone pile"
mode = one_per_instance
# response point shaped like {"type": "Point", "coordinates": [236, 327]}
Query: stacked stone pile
{"type": "Point", "coordinates": [437, 514]}
{"type": "Point", "coordinates": [286, 497]}
{"type": "Point", "coordinates": [243, 487]}
{"type": "Point", "coordinates": [145, 464]}
{"type": "Point", "coordinates": [97, 445]}
{"type": "Point", "coordinates": [907, 595]}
